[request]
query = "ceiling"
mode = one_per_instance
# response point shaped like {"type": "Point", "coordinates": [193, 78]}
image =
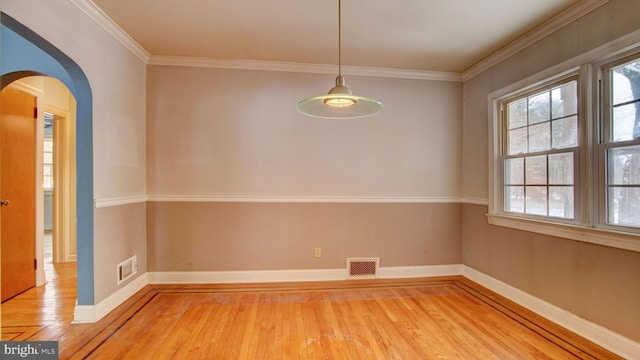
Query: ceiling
{"type": "Point", "coordinates": [427, 35]}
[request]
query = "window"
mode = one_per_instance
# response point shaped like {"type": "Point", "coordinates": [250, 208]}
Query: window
{"type": "Point", "coordinates": [566, 150]}
{"type": "Point", "coordinates": [540, 152]}
{"type": "Point", "coordinates": [47, 174]}
{"type": "Point", "coordinates": [47, 171]}
{"type": "Point", "coordinates": [620, 143]}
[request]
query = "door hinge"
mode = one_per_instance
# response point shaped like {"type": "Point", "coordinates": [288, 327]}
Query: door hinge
{"type": "Point", "coordinates": [35, 264]}
{"type": "Point", "coordinates": [35, 112]}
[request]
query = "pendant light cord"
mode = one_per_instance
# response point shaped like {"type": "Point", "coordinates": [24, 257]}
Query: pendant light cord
{"type": "Point", "coordinates": [339, 38]}
{"type": "Point", "coordinates": [339, 103]}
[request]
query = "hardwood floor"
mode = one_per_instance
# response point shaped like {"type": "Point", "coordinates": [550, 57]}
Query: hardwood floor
{"type": "Point", "coordinates": [48, 306]}
{"type": "Point", "coordinates": [434, 318]}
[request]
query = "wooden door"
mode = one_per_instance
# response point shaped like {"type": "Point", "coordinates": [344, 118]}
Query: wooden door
{"type": "Point", "coordinates": [17, 190]}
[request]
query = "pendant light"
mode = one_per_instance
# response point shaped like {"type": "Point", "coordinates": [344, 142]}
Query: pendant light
{"type": "Point", "coordinates": [339, 103]}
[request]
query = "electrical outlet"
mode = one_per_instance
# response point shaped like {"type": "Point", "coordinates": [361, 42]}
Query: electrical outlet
{"type": "Point", "coordinates": [317, 252]}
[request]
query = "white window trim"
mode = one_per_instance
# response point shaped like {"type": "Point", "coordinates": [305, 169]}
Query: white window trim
{"type": "Point", "coordinates": [598, 236]}
{"type": "Point", "coordinates": [601, 164]}
{"type": "Point", "coordinates": [547, 85]}
{"type": "Point", "coordinates": [586, 231]}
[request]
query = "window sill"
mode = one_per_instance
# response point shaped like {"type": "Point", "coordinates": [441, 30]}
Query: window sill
{"type": "Point", "coordinates": [609, 238]}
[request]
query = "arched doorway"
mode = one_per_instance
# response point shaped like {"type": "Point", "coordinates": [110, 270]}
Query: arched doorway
{"type": "Point", "coordinates": [25, 53]}
{"type": "Point", "coordinates": [37, 182]}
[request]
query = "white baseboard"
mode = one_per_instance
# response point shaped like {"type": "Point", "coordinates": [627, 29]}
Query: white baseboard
{"type": "Point", "coordinates": [226, 277]}
{"type": "Point", "coordinates": [614, 342]}
{"type": "Point", "coordinates": [597, 334]}
{"type": "Point", "coordinates": [93, 313]}
{"type": "Point", "coordinates": [398, 272]}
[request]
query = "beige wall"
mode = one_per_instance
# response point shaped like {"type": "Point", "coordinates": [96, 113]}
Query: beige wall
{"type": "Point", "coordinates": [282, 236]}
{"type": "Point", "coordinates": [118, 80]}
{"type": "Point", "coordinates": [120, 234]}
{"type": "Point", "coordinates": [236, 133]}
{"type": "Point", "coordinates": [217, 132]}
{"type": "Point", "coordinates": [598, 283]}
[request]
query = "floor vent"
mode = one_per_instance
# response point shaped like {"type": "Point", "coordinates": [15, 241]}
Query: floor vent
{"type": "Point", "coordinates": [127, 269]}
{"type": "Point", "coordinates": [363, 267]}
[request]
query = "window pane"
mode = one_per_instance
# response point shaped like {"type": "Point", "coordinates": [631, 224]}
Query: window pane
{"type": "Point", "coordinates": [539, 108]}
{"type": "Point", "coordinates": [623, 206]}
{"type": "Point", "coordinates": [514, 171]}
{"type": "Point", "coordinates": [517, 113]}
{"type": "Point", "coordinates": [551, 123]}
{"type": "Point", "coordinates": [561, 201]}
{"type": "Point", "coordinates": [564, 133]}
{"type": "Point", "coordinates": [536, 170]}
{"type": "Point", "coordinates": [517, 141]}
{"type": "Point", "coordinates": [564, 100]}
{"type": "Point", "coordinates": [623, 165]}
{"type": "Point", "coordinates": [625, 78]}
{"type": "Point", "coordinates": [561, 169]}
{"type": "Point", "coordinates": [624, 119]}
{"type": "Point", "coordinates": [514, 199]}
{"type": "Point", "coordinates": [623, 168]}
{"type": "Point", "coordinates": [539, 137]}
{"type": "Point", "coordinates": [47, 176]}
{"type": "Point", "coordinates": [625, 83]}
{"type": "Point", "coordinates": [536, 200]}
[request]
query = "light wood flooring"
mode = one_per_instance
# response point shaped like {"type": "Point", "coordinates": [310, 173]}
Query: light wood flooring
{"type": "Point", "coordinates": [434, 318]}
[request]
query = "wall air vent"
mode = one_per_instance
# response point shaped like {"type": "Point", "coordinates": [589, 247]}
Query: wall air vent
{"type": "Point", "coordinates": [127, 269]}
{"type": "Point", "coordinates": [363, 267]}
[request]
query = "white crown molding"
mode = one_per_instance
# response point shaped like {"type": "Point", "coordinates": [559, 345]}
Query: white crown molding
{"type": "Point", "coordinates": [564, 18]}
{"type": "Point", "coordinates": [613, 48]}
{"type": "Point", "coordinates": [303, 68]}
{"type": "Point", "coordinates": [606, 338]}
{"type": "Point", "coordinates": [401, 73]}
{"type": "Point", "coordinates": [105, 22]}
{"type": "Point", "coordinates": [302, 199]}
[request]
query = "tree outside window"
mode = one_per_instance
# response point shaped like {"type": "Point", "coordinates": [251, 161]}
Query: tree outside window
{"type": "Point", "coordinates": [623, 151]}
{"type": "Point", "coordinates": [539, 157]}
